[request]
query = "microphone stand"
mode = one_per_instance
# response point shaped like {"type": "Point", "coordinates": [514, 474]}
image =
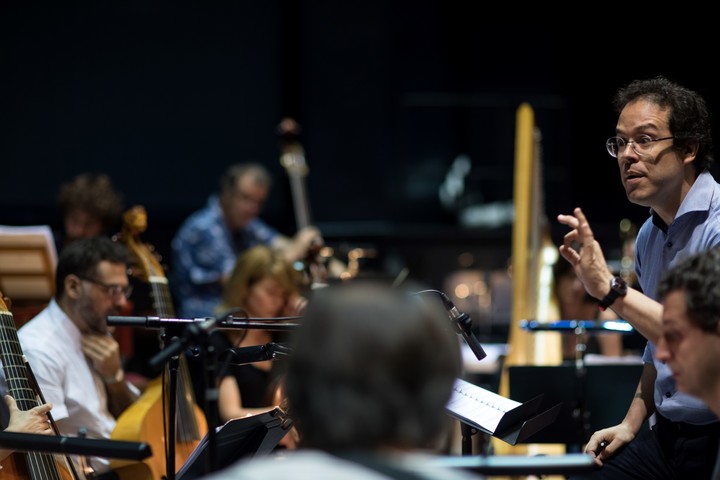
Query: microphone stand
{"type": "Point", "coordinates": [463, 326]}
{"type": "Point", "coordinates": [274, 323]}
{"type": "Point", "coordinates": [197, 334]}
{"type": "Point", "coordinates": [172, 409]}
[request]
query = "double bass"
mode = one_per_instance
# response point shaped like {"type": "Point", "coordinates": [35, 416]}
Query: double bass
{"type": "Point", "coordinates": [319, 264]}
{"type": "Point", "coordinates": [144, 420]}
{"type": "Point", "coordinates": [26, 465]}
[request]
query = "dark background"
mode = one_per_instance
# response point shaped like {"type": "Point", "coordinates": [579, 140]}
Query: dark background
{"type": "Point", "coordinates": [163, 96]}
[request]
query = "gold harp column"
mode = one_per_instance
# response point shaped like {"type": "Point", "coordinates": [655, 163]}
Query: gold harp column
{"type": "Point", "coordinates": [531, 262]}
{"type": "Point", "coordinates": [519, 345]}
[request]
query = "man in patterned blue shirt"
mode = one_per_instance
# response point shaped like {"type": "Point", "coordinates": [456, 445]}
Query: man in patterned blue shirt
{"type": "Point", "coordinates": [209, 241]}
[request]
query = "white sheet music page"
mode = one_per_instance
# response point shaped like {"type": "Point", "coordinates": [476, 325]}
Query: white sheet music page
{"type": "Point", "coordinates": [478, 405]}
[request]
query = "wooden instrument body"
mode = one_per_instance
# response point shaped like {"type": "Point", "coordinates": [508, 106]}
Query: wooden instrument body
{"type": "Point", "coordinates": [25, 465]}
{"type": "Point", "coordinates": [145, 419]}
{"type": "Point", "coordinates": [19, 467]}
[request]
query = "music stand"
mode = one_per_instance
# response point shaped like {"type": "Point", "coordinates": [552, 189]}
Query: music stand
{"type": "Point", "coordinates": [596, 399]}
{"type": "Point", "coordinates": [501, 417]}
{"type": "Point", "coordinates": [240, 437]}
{"type": "Point", "coordinates": [587, 403]}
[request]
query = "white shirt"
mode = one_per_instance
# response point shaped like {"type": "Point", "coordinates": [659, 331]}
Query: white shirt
{"type": "Point", "coordinates": [51, 343]}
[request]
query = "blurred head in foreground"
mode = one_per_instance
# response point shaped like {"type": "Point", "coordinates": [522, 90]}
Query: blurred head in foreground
{"type": "Point", "coordinates": [372, 368]}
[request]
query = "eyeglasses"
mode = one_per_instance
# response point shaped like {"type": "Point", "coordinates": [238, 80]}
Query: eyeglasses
{"type": "Point", "coordinates": [112, 290]}
{"type": "Point", "coordinates": [641, 144]}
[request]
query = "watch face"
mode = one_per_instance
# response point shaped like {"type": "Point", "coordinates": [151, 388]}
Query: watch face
{"type": "Point", "coordinates": [619, 285]}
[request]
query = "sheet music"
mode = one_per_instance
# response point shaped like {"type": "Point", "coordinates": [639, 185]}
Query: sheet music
{"type": "Point", "coordinates": [481, 406]}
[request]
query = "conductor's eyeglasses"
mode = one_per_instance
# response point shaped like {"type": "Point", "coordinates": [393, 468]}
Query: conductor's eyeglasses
{"type": "Point", "coordinates": [640, 144]}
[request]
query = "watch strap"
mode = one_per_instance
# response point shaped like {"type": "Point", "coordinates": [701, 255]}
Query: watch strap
{"type": "Point", "coordinates": [618, 288]}
{"type": "Point", "coordinates": [608, 299]}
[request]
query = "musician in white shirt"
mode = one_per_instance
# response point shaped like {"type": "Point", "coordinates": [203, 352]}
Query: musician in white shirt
{"type": "Point", "coordinates": [69, 346]}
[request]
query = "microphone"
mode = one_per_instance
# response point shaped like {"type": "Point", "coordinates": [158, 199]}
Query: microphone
{"type": "Point", "coordinates": [463, 323]}
{"type": "Point", "coordinates": [243, 355]}
{"type": "Point", "coordinates": [256, 353]}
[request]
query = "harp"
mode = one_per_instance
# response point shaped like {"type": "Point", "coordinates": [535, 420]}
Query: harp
{"type": "Point", "coordinates": [533, 254]}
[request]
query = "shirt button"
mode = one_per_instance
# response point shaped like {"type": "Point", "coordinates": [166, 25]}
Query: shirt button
{"type": "Point", "coordinates": [669, 244]}
{"type": "Point", "coordinates": [668, 394]}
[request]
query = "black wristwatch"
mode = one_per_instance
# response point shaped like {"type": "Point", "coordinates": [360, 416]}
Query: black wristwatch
{"type": "Point", "coordinates": [618, 288]}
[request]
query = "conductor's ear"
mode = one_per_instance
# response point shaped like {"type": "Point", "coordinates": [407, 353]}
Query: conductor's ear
{"type": "Point", "coordinates": [690, 151]}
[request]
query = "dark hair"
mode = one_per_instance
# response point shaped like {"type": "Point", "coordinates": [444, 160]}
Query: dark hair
{"type": "Point", "coordinates": [83, 256]}
{"type": "Point", "coordinates": [371, 367]}
{"type": "Point", "coordinates": [688, 119]}
{"type": "Point", "coordinates": [95, 194]}
{"type": "Point", "coordinates": [698, 277]}
{"type": "Point", "coordinates": [229, 180]}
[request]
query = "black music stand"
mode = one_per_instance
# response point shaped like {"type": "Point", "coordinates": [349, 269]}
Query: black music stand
{"type": "Point", "coordinates": [596, 399]}
{"type": "Point", "coordinates": [587, 403]}
{"type": "Point", "coordinates": [238, 438]}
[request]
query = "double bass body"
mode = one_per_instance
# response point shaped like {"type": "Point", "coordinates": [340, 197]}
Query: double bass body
{"type": "Point", "coordinates": [146, 419]}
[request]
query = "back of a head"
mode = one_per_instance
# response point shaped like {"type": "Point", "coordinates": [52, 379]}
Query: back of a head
{"type": "Point", "coordinates": [371, 367]}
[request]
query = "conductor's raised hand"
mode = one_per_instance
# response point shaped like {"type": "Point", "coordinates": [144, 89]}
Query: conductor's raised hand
{"type": "Point", "coordinates": [585, 254]}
